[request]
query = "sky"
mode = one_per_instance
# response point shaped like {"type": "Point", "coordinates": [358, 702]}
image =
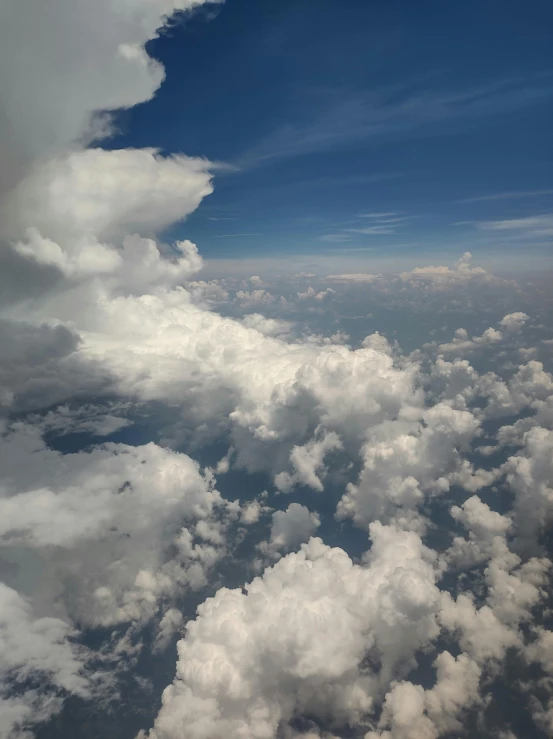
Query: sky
{"type": "Point", "coordinates": [276, 370]}
{"type": "Point", "coordinates": [437, 115]}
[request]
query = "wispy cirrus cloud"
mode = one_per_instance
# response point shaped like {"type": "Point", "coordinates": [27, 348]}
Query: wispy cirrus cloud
{"type": "Point", "coordinates": [380, 216]}
{"type": "Point", "coordinates": [381, 224]}
{"type": "Point", "coordinates": [373, 230]}
{"type": "Point", "coordinates": [515, 195]}
{"type": "Point", "coordinates": [392, 112]}
{"type": "Point", "coordinates": [339, 236]}
{"type": "Point", "coordinates": [535, 231]}
{"type": "Point", "coordinates": [228, 236]}
{"type": "Point", "coordinates": [536, 225]}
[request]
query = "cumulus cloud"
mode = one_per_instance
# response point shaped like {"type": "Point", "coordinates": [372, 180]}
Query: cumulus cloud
{"type": "Point", "coordinates": [410, 712]}
{"type": "Point", "coordinates": [484, 526]}
{"type": "Point", "coordinates": [462, 342]}
{"type": "Point", "coordinates": [405, 461]}
{"type": "Point", "coordinates": [308, 463]}
{"type": "Point", "coordinates": [529, 474]}
{"type": "Point", "coordinates": [310, 293]}
{"type": "Point", "coordinates": [255, 297]}
{"type": "Point", "coordinates": [267, 326]}
{"type": "Point", "coordinates": [441, 277]}
{"type": "Point", "coordinates": [119, 511]}
{"type": "Point", "coordinates": [104, 194]}
{"type": "Point", "coordinates": [38, 665]}
{"type": "Point", "coordinates": [290, 528]}
{"type": "Point", "coordinates": [294, 643]}
{"type": "Point", "coordinates": [509, 325]}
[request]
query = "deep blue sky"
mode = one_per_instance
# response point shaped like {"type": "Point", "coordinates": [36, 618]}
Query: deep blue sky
{"type": "Point", "coordinates": [335, 112]}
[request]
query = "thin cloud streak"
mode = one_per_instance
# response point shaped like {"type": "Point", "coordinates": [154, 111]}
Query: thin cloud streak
{"type": "Point", "coordinates": [227, 236]}
{"type": "Point", "coordinates": [380, 114]}
{"type": "Point", "coordinates": [383, 224]}
{"type": "Point", "coordinates": [506, 196]}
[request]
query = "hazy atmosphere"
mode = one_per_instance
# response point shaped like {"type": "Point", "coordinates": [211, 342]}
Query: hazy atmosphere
{"type": "Point", "coordinates": [276, 402]}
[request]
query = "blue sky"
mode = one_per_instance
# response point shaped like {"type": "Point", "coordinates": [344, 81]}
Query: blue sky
{"type": "Point", "coordinates": [362, 127]}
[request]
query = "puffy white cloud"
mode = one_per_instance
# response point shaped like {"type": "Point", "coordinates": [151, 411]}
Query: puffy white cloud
{"type": "Point", "coordinates": [530, 387]}
{"type": "Point", "coordinates": [53, 81]}
{"type": "Point", "coordinates": [484, 526]}
{"type": "Point", "coordinates": [207, 292]}
{"type": "Point", "coordinates": [455, 382]}
{"type": "Point", "coordinates": [308, 463]}
{"type": "Point", "coordinates": [273, 394]}
{"type": "Point", "coordinates": [249, 298]}
{"type": "Point", "coordinates": [513, 589]}
{"type": "Point", "coordinates": [509, 324]}
{"type": "Point", "coordinates": [406, 460]}
{"type": "Point", "coordinates": [120, 510]}
{"type": "Point", "coordinates": [541, 649]}
{"type": "Point", "coordinates": [290, 528]}
{"type": "Point", "coordinates": [514, 321]}
{"type": "Point", "coordinates": [99, 194]}
{"type": "Point", "coordinates": [462, 342]}
{"type": "Point", "coordinates": [310, 293]}
{"type": "Point", "coordinates": [443, 277]}
{"type": "Point", "coordinates": [529, 473]}
{"type": "Point", "coordinates": [479, 631]}
{"type": "Point", "coordinates": [410, 712]}
{"type": "Point", "coordinates": [38, 664]}
{"type": "Point", "coordinates": [294, 643]}
{"type": "Point", "coordinates": [267, 326]}
{"type": "Point", "coordinates": [378, 342]}
{"type": "Point", "coordinates": [170, 623]}
{"type": "Point", "coordinates": [252, 511]}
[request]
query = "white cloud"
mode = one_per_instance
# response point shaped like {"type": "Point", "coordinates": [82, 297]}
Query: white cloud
{"type": "Point", "coordinates": [443, 277]}
{"type": "Point", "coordinates": [119, 510]}
{"type": "Point", "coordinates": [255, 297]}
{"type": "Point", "coordinates": [404, 461]}
{"type": "Point", "coordinates": [536, 225]}
{"type": "Point", "coordinates": [509, 324]}
{"type": "Point", "coordinates": [171, 622]}
{"type": "Point", "coordinates": [35, 649]}
{"type": "Point", "coordinates": [462, 342]}
{"type": "Point", "coordinates": [507, 196]}
{"type": "Point", "coordinates": [252, 511]}
{"type": "Point", "coordinates": [513, 589]}
{"type": "Point", "coordinates": [310, 293]}
{"type": "Point", "coordinates": [294, 643]}
{"type": "Point", "coordinates": [378, 342]}
{"type": "Point", "coordinates": [53, 82]}
{"type": "Point", "coordinates": [484, 526]}
{"type": "Point", "coordinates": [529, 473]}
{"type": "Point", "coordinates": [267, 326]}
{"type": "Point", "coordinates": [410, 712]}
{"type": "Point", "coordinates": [307, 461]}
{"type": "Point", "coordinates": [105, 195]}
{"type": "Point", "coordinates": [355, 277]}
{"type": "Point", "coordinates": [290, 528]}
{"type": "Point", "coordinates": [514, 321]}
